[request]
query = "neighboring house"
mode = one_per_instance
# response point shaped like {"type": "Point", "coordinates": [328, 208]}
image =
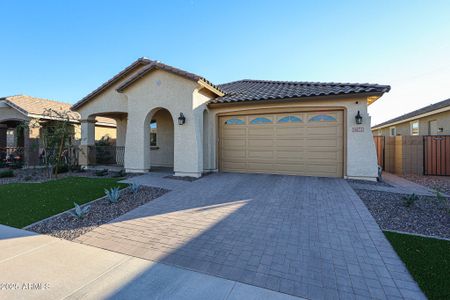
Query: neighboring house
{"type": "Point", "coordinates": [15, 110]}
{"type": "Point", "coordinates": [169, 117]}
{"type": "Point", "coordinates": [433, 119]}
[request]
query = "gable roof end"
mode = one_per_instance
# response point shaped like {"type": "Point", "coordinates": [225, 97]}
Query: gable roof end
{"type": "Point", "coordinates": [156, 65]}
{"type": "Point", "coordinates": [138, 63]}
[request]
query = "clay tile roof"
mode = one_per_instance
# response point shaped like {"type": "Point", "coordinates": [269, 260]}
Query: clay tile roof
{"type": "Point", "coordinates": [37, 106]}
{"type": "Point", "coordinates": [418, 112]}
{"type": "Point", "coordinates": [253, 90]}
{"type": "Point", "coordinates": [33, 106]}
{"type": "Point", "coordinates": [242, 90]}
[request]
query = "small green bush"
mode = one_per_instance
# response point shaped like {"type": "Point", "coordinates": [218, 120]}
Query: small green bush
{"type": "Point", "coordinates": [118, 174]}
{"type": "Point", "coordinates": [62, 169]}
{"type": "Point", "coordinates": [75, 168]}
{"type": "Point", "coordinates": [103, 172]}
{"type": "Point", "coordinates": [6, 173]}
{"type": "Point", "coordinates": [28, 178]}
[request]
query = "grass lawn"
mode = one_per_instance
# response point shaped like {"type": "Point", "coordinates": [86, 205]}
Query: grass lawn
{"type": "Point", "coordinates": [428, 261]}
{"type": "Point", "coordinates": [25, 203]}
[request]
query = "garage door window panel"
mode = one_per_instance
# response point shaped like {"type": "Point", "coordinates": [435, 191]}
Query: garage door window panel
{"type": "Point", "coordinates": [323, 118]}
{"type": "Point", "coordinates": [260, 120]}
{"type": "Point", "coordinates": [290, 119]}
{"type": "Point", "coordinates": [234, 121]}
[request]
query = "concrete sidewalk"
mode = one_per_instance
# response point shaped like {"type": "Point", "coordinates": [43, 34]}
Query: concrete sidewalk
{"type": "Point", "coordinates": [42, 267]}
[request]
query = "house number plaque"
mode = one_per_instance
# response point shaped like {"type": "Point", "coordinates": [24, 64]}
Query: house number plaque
{"type": "Point", "coordinates": [358, 129]}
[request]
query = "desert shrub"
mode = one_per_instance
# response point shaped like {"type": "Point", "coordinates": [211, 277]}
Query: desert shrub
{"type": "Point", "coordinates": [80, 212]}
{"type": "Point", "coordinates": [135, 187]}
{"type": "Point", "coordinates": [113, 195]}
{"type": "Point", "coordinates": [409, 200]}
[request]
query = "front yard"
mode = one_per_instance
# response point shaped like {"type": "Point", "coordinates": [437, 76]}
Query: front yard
{"type": "Point", "coordinates": [25, 203]}
{"type": "Point", "coordinates": [428, 261]}
{"type": "Point", "coordinates": [427, 258]}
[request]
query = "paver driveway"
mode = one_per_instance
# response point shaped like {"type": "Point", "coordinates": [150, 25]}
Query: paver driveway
{"type": "Point", "coordinates": [304, 236]}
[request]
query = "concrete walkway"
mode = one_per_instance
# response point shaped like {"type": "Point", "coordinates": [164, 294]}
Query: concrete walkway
{"type": "Point", "coordinates": [304, 236]}
{"type": "Point", "coordinates": [399, 185]}
{"type": "Point", "coordinates": [36, 266]}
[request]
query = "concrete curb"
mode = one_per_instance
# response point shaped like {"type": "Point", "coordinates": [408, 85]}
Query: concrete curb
{"type": "Point", "coordinates": [67, 211]}
{"type": "Point", "coordinates": [417, 234]}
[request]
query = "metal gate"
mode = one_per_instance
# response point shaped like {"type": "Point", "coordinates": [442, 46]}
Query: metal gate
{"type": "Point", "coordinates": [379, 146]}
{"type": "Point", "coordinates": [436, 155]}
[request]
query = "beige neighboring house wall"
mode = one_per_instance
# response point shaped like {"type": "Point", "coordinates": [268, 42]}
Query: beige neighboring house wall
{"type": "Point", "coordinates": [192, 149]}
{"type": "Point", "coordinates": [429, 124]}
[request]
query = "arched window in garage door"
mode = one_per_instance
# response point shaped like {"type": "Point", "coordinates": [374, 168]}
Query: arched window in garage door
{"type": "Point", "coordinates": [290, 119]}
{"type": "Point", "coordinates": [234, 121]}
{"type": "Point", "coordinates": [322, 118]}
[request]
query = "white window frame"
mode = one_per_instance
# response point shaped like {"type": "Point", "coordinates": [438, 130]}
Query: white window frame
{"type": "Point", "coordinates": [390, 131]}
{"type": "Point", "coordinates": [411, 130]}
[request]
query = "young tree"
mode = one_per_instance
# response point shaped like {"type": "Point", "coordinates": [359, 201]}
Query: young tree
{"type": "Point", "coordinates": [56, 134]}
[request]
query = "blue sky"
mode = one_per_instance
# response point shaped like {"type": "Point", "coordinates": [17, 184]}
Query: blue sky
{"type": "Point", "coordinates": [64, 49]}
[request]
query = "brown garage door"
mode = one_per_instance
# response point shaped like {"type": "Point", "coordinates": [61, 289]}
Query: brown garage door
{"type": "Point", "coordinates": [301, 143]}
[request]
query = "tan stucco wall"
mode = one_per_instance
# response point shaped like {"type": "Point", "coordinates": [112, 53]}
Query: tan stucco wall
{"type": "Point", "coordinates": [161, 89]}
{"type": "Point", "coordinates": [162, 154]}
{"type": "Point", "coordinates": [109, 101]}
{"type": "Point", "coordinates": [360, 155]}
{"type": "Point", "coordinates": [442, 120]}
{"type": "Point", "coordinates": [195, 142]}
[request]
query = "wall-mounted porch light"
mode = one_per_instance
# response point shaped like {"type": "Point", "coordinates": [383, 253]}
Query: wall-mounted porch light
{"type": "Point", "coordinates": [358, 118]}
{"type": "Point", "coordinates": [181, 119]}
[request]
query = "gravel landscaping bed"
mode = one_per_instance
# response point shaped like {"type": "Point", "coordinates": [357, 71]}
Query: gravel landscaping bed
{"type": "Point", "coordinates": [375, 183]}
{"type": "Point", "coordinates": [439, 183]}
{"type": "Point", "coordinates": [40, 175]}
{"type": "Point", "coordinates": [101, 211]}
{"type": "Point", "coordinates": [427, 215]}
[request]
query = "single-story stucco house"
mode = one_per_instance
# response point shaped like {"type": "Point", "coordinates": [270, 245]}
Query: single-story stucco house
{"type": "Point", "coordinates": [433, 119]}
{"type": "Point", "coordinates": [169, 117]}
{"type": "Point", "coordinates": [19, 109]}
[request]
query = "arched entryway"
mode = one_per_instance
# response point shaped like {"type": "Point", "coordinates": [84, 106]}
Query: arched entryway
{"type": "Point", "coordinates": [159, 139]}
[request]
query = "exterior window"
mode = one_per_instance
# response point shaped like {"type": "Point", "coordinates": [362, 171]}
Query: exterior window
{"type": "Point", "coordinates": [288, 119]}
{"type": "Point", "coordinates": [153, 129]}
{"type": "Point", "coordinates": [260, 120]}
{"type": "Point", "coordinates": [392, 131]}
{"type": "Point", "coordinates": [234, 121]}
{"type": "Point", "coordinates": [415, 128]}
{"type": "Point", "coordinates": [322, 118]}
{"type": "Point", "coordinates": [432, 127]}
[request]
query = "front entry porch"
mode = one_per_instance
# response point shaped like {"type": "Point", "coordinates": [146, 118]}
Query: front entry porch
{"type": "Point", "coordinates": [152, 152]}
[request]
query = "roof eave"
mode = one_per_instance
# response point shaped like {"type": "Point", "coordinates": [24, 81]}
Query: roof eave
{"type": "Point", "coordinates": [342, 95]}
